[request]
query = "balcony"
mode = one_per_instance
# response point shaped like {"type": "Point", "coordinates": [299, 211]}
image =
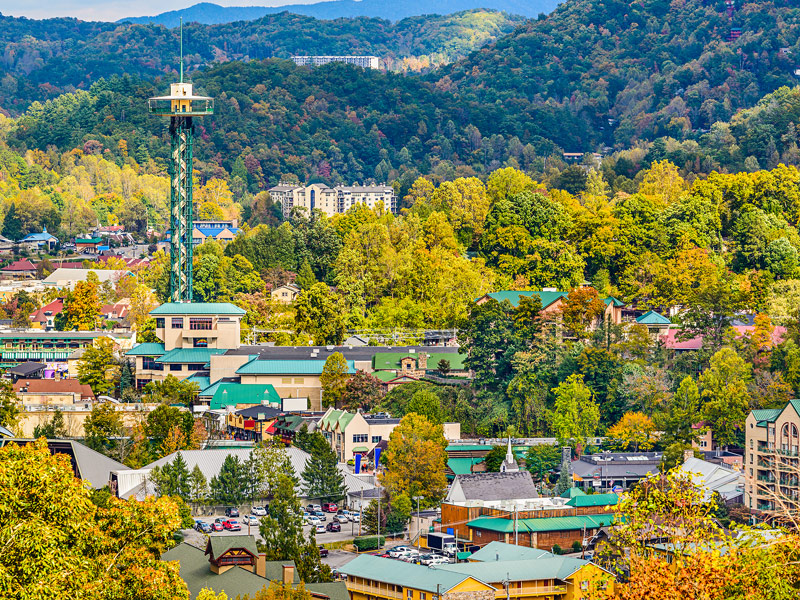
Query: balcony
{"type": "Point", "coordinates": [779, 452]}
{"type": "Point", "coordinates": [530, 590]}
{"type": "Point", "coordinates": [381, 591]}
{"type": "Point", "coordinates": [766, 478]}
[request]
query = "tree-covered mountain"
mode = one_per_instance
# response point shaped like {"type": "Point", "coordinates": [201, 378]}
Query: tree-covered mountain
{"type": "Point", "coordinates": [638, 70]}
{"type": "Point", "coordinates": [209, 13]}
{"type": "Point", "coordinates": [41, 59]}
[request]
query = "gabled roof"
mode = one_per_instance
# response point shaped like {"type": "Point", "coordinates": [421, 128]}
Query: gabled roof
{"type": "Point", "coordinates": [92, 240]}
{"type": "Point", "coordinates": [513, 296]}
{"type": "Point", "coordinates": [22, 265]}
{"type": "Point", "coordinates": [542, 524]}
{"type": "Point", "coordinates": [231, 394]}
{"type": "Point", "coordinates": [54, 386]}
{"type": "Point", "coordinates": [494, 551]}
{"type": "Point", "coordinates": [514, 485]}
{"type": "Point", "coordinates": [651, 317]}
{"type": "Point", "coordinates": [593, 500]}
{"type": "Point", "coordinates": [573, 492]}
{"type": "Point", "coordinates": [770, 415]}
{"type": "Point", "coordinates": [334, 417]}
{"type": "Point", "coordinates": [614, 301]}
{"type": "Point", "coordinates": [146, 349]}
{"type": "Point", "coordinates": [463, 466]}
{"type": "Point", "coordinates": [55, 307]}
{"type": "Point", "coordinates": [287, 367]}
{"type": "Point", "coordinates": [197, 308]}
{"type": "Point", "coordinates": [189, 355]}
{"type": "Point", "coordinates": [404, 574]}
{"type": "Point", "coordinates": [383, 361]}
{"type": "Point", "coordinates": [220, 544]}
{"type": "Point", "coordinates": [201, 378]}
{"type": "Point", "coordinates": [39, 237]}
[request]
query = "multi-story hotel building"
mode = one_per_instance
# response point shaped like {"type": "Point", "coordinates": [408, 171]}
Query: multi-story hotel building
{"type": "Point", "coordinates": [335, 200]}
{"type": "Point", "coordinates": [367, 62]}
{"type": "Point", "coordinates": [772, 462]}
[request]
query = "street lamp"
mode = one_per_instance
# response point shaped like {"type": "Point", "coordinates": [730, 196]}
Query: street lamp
{"type": "Point", "coordinates": [418, 498]}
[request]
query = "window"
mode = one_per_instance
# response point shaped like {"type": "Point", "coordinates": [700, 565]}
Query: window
{"type": "Point", "coordinates": [159, 323]}
{"type": "Point", "coordinates": [200, 323]}
{"type": "Point", "coordinates": [376, 439]}
{"type": "Point", "coordinates": [286, 380]}
{"type": "Point", "coordinates": [149, 363]}
{"type": "Point", "coordinates": [359, 438]}
{"type": "Point", "coordinates": [176, 367]}
{"type": "Point", "coordinates": [177, 322]}
{"type": "Point", "coordinates": [200, 342]}
{"type": "Point", "coordinates": [299, 380]}
{"type": "Point", "coordinates": [751, 444]}
{"type": "Point", "coordinates": [422, 596]}
{"type": "Point", "coordinates": [410, 593]}
{"type": "Point", "coordinates": [195, 367]}
{"type": "Point", "coordinates": [584, 585]}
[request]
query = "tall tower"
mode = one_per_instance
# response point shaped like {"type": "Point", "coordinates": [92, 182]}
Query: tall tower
{"type": "Point", "coordinates": [181, 106]}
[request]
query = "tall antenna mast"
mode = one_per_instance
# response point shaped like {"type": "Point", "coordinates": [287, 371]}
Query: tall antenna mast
{"type": "Point", "coordinates": [181, 49]}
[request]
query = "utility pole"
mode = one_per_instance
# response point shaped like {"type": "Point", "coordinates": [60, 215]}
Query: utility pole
{"type": "Point", "coordinates": [516, 528]}
{"type": "Point", "coordinates": [418, 498]}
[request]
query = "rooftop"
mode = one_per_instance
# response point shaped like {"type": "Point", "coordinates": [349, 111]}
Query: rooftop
{"type": "Point", "coordinates": [511, 485]}
{"type": "Point", "coordinates": [231, 394]}
{"type": "Point", "coordinates": [280, 367]}
{"type": "Point", "coordinates": [189, 355]}
{"type": "Point", "coordinates": [197, 308]}
{"type": "Point", "coordinates": [542, 524]}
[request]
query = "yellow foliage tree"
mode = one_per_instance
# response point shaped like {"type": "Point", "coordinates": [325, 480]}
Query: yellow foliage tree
{"type": "Point", "coordinates": [634, 428]}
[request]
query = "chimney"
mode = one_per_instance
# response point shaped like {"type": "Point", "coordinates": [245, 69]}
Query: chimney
{"type": "Point", "coordinates": [687, 454]}
{"type": "Point", "coordinates": [422, 361]}
{"type": "Point", "coordinates": [288, 574]}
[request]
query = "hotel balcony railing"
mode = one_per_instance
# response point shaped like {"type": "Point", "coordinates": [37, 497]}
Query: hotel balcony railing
{"type": "Point", "coordinates": [779, 451]}
{"type": "Point", "coordinates": [374, 590]}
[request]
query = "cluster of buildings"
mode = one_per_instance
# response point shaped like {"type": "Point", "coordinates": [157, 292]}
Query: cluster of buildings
{"type": "Point", "coordinates": [366, 62]}
{"type": "Point", "coordinates": [333, 200]}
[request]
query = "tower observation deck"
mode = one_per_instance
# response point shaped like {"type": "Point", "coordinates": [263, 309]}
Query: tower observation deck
{"type": "Point", "coordinates": [181, 106]}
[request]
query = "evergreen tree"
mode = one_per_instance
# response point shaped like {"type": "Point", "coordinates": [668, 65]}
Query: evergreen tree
{"type": "Point", "coordinates": [322, 476]}
{"type": "Point", "coordinates": [305, 277]}
{"type": "Point", "coordinates": [230, 486]}
{"type": "Point", "coordinates": [198, 486]}
{"type": "Point", "coordinates": [172, 479]}
{"type": "Point", "coordinates": [12, 225]}
{"type": "Point", "coordinates": [282, 531]}
{"type": "Point", "coordinates": [54, 429]}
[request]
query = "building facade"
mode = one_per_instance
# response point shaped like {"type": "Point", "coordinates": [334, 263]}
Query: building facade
{"type": "Point", "coordinates": [772, 459]}
{"type": "Point", "coordinates": [336, 200]}
{"type": "Point", "coordinates": [366, 62]}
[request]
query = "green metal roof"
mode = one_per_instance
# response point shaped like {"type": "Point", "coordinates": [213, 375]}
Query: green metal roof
{"type": "Point", "coordinates": [231, 394]}
{"type": "Point", "coordinates": [651, 317]}
{"type": "Point", "coordinates": [543, 524]}
{"type": "Point", "coordinates": [463, 466]}
{"type": "Point", "coordinates": [494, 551]}
{"type": "Point", "coordinates": [360, 449]}
{"type": "Point", "coordinates": [384, 361]}
{"type": "Point", "coordinates": [189, 355]}
{"type": "Point", "coordinates": [572, 492]}
{"type": "Point", "coordinates": [222, 543]}
{"type": "Point", "coordinates": [552, 567]}
{"type": "Point", "coordinates": [513, 297]}
{"type": "Point", "coordinates": [766, 415]}
{"type": "Point", "coordinates": [403, 574]}
{"type": "Point", "coordinates": [336, 417]}
{"type": "Point", "coordinates": [202, 381]}
{"type": "Point", "coordinates": [197, 308]}
{"type": "Point", "coordinates": [614, 301]}
{"type": "Point", "coordinates": [468, 447]}
{"type": "Point", "coordinates": [594, 500]}
{"type": "Point", "coordinates": [384, 375]}
{"type": "Point", "coordinates": [94, 240]}
{"type": "Point", "coordinates": [287, 367]}
{"type": "Point", "coordinates": [147, 349]}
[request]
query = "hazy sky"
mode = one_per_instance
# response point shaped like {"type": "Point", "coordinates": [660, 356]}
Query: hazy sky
{"type": "Point", "coordinates": [111, 10]}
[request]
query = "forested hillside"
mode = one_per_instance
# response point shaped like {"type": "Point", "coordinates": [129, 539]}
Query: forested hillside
{"type": "Point", "coordinates": [638, 70]}
{"type": "Point", "coordinates": [209, 13]}
{"type": "Point", "coordinates": [41, 59]}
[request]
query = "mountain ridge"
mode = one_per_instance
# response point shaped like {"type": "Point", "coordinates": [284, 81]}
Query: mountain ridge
{"type": "Point", "coordinates": [209, 13]}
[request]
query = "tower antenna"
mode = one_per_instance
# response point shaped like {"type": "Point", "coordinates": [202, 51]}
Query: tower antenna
{"type": "Point", "coordinates": [181, 49]}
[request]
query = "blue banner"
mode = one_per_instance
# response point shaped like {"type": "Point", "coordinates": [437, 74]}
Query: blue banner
{"type": "Point", "coordinates": [377, 457]}
{"type": "Point", "coordinates": [358, 463]}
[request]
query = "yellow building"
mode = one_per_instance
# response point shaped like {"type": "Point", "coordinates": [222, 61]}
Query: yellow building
{"type": "Point", "coordinates": [504, 570]}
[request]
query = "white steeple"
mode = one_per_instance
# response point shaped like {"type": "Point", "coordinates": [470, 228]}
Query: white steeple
{"type": "Point", "coordinates": [509, 464]}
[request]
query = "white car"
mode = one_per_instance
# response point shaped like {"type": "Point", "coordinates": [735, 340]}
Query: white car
{"type": "Point", "coordinates": [320, 528]}
{"type": "Point", "coordinates": [409, 556]}
{"type": "Point", "coordinates": [439, 560]}
{"type": "Point", "coordinates": [259, 511]}
{"type": "Point", "coordinates": [398, 550]}
{"type": "Point", "coordinates": [342, 519]}
{"type": "Point", "coordinates": [355, 517]}
{"type": "Point", "coordinates": [314, 521]}
{"type": "Point", "coordinates": [251, 520]}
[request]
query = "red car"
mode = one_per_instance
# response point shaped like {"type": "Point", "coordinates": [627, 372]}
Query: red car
{"type": "Point", "coordinates": [232, 525]}
{"type": "Point", "coordinates": [216, 526]}
{"type": "Point", "coordinates": [330, 507]}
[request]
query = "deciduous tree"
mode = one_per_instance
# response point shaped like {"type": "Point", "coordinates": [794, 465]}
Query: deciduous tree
{"type": "Point", "coordinates": [576, 415]}
{"type": "Point", "coordinates": [335, 374]}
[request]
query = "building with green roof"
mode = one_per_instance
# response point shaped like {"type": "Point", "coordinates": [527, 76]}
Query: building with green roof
{"type": "Point", "coordinates": [540, 532]}
{"type": "Point", "coordinates": [772, 443]}
{"type": "Point", "coordinates": [243, 394]}
{"type": "Point", "coordinates": [581, 501]}
{"type": "Point", "coordinates": [354, 433]}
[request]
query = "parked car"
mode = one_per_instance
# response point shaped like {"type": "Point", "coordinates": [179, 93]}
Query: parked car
{"type": "Point", "coordinates": [259, 511]}
{"type": "Point", "coordinates": [330, 507]}
{"type": "Point", "coordinates": [313, 507]}
{"type": "Point", "coordinates": [220, 520]}
{"type": "Point", "coordinates": [216, 526]}
{"type": "Point", "coordinates": [334, 527]}
{"type": "Point", "coordinates": [341, 519]}
{"type": "Point", "coordinates": [320, 515]}
{"type": "Point", "coordinates": [323, 552]}
{"type": "Point", "coordinates": [355, 517]}
{"type": "Point", "coordinates": [319, 528]}
{"type": "Point", "coordinates": [232, 525]}
{"type": "Point", "coordinates": [204, 527]}
{"type": "Point", "coordinates": [251, 520]}
{"type": "Point", "coordinates": [312, 520]}
{"type": "Point", "coordinates": [425, 559]}
{"type": "Point", "coordinates": [231, 512]}
{"type": "Point", "coordinates": [398, 549]}
{"type": "Point", "coordinates": [410, 556]}
{"type": "Point", "coordinates": [439, 560]}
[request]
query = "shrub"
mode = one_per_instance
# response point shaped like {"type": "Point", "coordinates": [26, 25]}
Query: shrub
{"type": "Point", "coordinates": [368, 542]}
{"type": "Point", "coordinates": [556, 549]}
{"type": "Point", "coordinates": [576, 546]}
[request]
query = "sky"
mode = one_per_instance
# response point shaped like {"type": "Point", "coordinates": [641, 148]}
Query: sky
{"type": "Point", "coordinates": [112, 10]}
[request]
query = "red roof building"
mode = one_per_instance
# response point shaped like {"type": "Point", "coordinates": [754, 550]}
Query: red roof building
{"type": "Point", "coordinates": [20, 269]}
{"type": "Point", "coordinates": [44, 318]}
{"type": "Point", "coordinates": [53, 391]}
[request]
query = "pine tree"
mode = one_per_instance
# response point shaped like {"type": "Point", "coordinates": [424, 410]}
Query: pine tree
{"type": "Point", "coordinates": [305, 277]}
{"type": "Point", "coordinates": [230, 486]}
{"type": "Point", "coordinates": [198, 486]}
{"type": "Point", "coordinates": [322, 476]}
{"type": "Point", "coordinates": [282, 530]}
{"type": "Point", "coordinates": [172, 479]}
{"type": "Point", "coordinates": [12, 226]}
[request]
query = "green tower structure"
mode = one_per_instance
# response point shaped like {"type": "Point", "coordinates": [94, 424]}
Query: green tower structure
{"type": "Point", "coordinates": [181, 106]}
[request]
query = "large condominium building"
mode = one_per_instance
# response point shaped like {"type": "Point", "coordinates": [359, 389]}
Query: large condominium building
{"type": "Point", "coordinates": [772, 461]}
{"type": "Point", "coordinates": [367, 62]}
{"type": "Point", "coordinates": [333, 200]}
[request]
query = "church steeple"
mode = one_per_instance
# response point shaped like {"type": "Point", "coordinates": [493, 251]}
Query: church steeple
{"type": "Point", "coordinates": [509, 464]}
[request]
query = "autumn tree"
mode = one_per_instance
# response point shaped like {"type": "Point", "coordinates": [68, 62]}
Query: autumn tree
{"type": "Point", "coordinates": [723, 387]}
{"type": "Point", "coordinates": [581, 309]}
{"type": "Point", "coordinates": [102, 426]}
{"type": "Point", "coordinates": [415, 459]}
{"type": "Point", "coordinates": [98, 367]}
{"type": "Point", "coordinates": [319, 312]}
{"type": "Point", "coordinates": [9, 406]}
{"type": "Point", "coordinates": [575, 415]}
{"type": "Point", "coordinates": [333, 379]}
{"type": "Point", "coordinates": [81, 307]}
{"type": "Point", "coordinates": [73, 548]}
{"type": "Point", "coordinates": [362, 391]}
{"type": "Point", "coordinates": [633, 429]}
